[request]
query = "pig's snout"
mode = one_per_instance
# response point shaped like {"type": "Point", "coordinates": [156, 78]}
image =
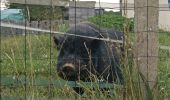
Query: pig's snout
{"type": "Point", "coordinates": [68, 68]}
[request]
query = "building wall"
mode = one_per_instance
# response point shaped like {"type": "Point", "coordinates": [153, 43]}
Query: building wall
{"type": "Point", "coordinates": [82, 12]}
{"type": "Point", "coordinates": [164, 13]}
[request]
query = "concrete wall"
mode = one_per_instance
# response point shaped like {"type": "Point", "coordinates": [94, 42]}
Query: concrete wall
{"type": "Point", "coordinates": [40, 2]}
{"type": "Point", "coordinates": [164, 13]}
{"type": "Point", "coordinates": [82, 12]}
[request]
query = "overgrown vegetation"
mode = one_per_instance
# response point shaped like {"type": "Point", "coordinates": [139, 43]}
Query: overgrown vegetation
{"type": "Point", "coordinates": [35, 56]}
{"type": "Point", "coordinates": [112, 20]}
{"type": "Point", "coordinates": [164, 37]}
{"type": "Point", "coordinates": [41, 56]}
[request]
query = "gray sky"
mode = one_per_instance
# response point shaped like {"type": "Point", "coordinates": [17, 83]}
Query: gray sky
{"type": "Point", "coordinates": [108, 1]}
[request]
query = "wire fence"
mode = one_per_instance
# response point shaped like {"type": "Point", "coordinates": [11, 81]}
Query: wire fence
{"type": "Point", "coordinates": [29, 59]}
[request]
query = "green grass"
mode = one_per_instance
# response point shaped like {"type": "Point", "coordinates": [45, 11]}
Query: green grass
{"type": "Point", "coordinates": [35, 56]}
{"type": "Point", "coordinates": [35, 49]}
{"type": "Point", "coordinates": [164, 38]}
{"type": "Point", "coordinates": [164, 74]}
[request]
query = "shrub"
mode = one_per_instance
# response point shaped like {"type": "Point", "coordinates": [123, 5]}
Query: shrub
{"type": "Point", "coordinates": [113, 20]}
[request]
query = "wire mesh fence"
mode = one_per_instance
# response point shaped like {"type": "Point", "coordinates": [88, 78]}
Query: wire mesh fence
{"type": "Point", "coordinates": [30, 56]}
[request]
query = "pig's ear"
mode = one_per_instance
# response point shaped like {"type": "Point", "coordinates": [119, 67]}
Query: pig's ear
{"type": "Point", "coordinates": [57, 40]}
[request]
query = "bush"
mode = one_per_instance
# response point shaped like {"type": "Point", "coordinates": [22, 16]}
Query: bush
{"type": "Point", "coordinates": [113, 20]}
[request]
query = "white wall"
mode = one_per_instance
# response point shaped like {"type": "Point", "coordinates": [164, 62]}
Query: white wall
{"type": "Point", "coordinates": [164, 16]}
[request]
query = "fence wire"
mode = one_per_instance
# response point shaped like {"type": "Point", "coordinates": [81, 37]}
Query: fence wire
{"type": "Point", "coordinates": [21, 53]}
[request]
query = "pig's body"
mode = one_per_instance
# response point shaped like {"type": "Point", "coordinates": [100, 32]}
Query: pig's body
{"type": "Point", "coordinates": [79, 57]}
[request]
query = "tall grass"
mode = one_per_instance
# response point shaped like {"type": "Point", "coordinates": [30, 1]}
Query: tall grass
{"type": "Point", "coordinates": [37, 53]}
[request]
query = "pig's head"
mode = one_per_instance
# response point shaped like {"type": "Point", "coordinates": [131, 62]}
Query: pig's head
{"type": "Point", "coordinates": [74, 56]}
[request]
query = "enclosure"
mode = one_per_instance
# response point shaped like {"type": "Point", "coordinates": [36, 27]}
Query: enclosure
{"type": "Point", "coordinates": [29, 55]}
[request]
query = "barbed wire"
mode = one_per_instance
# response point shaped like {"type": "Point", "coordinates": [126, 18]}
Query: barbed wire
{"type": "Point", "coordinates": [61, 33]}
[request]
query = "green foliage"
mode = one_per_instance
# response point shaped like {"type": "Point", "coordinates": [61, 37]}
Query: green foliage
{"type": "Point", "coordinates": [112, 20]}
{"type": "Point", "coordinates": [164, 37]}
{"type": "Point", "coordinates": [45, 13]}
{"type": "Point", "coordinates": [112, 13]}
{"type": "Point", "coordinates": [164, 74]}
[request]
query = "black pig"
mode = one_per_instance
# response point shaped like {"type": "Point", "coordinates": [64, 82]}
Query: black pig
{"type": "Point", "coordinates": [81, 57]}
